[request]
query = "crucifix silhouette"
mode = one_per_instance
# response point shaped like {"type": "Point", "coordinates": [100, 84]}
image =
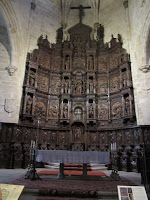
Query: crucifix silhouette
{"type": "Point", "coordinates": [81, 11]}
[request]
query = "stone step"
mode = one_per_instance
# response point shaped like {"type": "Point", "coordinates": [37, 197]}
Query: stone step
{"type": "Point", "coordinates": [108, 195]}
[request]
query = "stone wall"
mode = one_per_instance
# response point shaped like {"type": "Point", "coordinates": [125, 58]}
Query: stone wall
{"type": "Point", "coordinates": [22, 24]}
{"type": "Point", "coordinates": [139, 17]}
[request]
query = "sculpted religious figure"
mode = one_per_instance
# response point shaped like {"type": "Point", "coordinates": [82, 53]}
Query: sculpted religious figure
{"type": "Point", "coordinates": [127, 105]}
{"type": "Point", "coordinates": [65, 111]}
{"type": "Point", "coordinates": [29, 105]}
{"type": "Point", "coordinates": [124, 79]}
{"type": "Point", "coordinates": [90, 63]}
{"type": "Point", "coordinates": [91, 111]}
{"type": "Point", "coordinates": [91, 86]}
{"type": "Point", "coordinates": [66, 86]}
{"type": "Point", "coordinates": [32, 79]}
{"type": "Point", "coordinates": [67, 63]}
{"type": "Point", "coordinates": [79, 87]}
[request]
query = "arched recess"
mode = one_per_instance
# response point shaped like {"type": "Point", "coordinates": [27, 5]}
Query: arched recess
{"type": "Point", "coordinates": [78, 142]}
{"type": "Point", "coordinates": [14, 34]}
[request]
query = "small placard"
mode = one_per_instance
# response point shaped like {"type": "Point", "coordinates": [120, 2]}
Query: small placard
{"type": "Point", "coordinates": [10, 192]}
{"type": "Point", "coordinates": [132, 193]}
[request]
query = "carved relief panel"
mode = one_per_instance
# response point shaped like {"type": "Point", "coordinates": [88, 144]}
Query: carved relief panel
{"type": "Point", "coordinates": [53, 110]}
{"type": "Point", "coordinates": [40, 108]}
{"type": "Point", "coordinates": [116, 108]}
{"type": "Point", "coordinates": [55, 85]}
{"type": "Point", "coordinates": [102, 110]}
{"type": "Point", "coordinates": [43, 83]}
{"type": "Point", "coordinates": [102, 86]}
{"type": "Point", "coordinates": [114, 84]}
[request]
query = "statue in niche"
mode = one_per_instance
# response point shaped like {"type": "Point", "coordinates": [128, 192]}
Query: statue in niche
{"type": "Point", "coordinates": [91, 112]}
{"type": "Point", "coordinates": [124, 79]}
{"type": "Point", "coordinates": [116, 109]}
{"type": "Point", "coordinates": [29, 105]}
{"type": "Point", "coordinates": [67, 63]}
{"type": "Point", "coordinates": [65, 111]}
{"type": "Point", "coordinates": [90, 63]}
{"type": "Point", "coordinates": [32, 79]}
{"type": "Point", "coordinates": [91, 87]}
{"type": "Point", "coordinates": [127, 105]}
{"type": "Point", "coordinates": [66, 86]}
{"type": "Point", "coordinates": [79, 88]}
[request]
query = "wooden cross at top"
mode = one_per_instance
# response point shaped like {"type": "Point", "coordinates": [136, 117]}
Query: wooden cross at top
{"type": "Point", "coordinates": [81, 11]}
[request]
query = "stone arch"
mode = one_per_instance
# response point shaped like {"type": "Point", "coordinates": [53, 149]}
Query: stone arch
{"type": "Point", "coordinates": [14, 33]}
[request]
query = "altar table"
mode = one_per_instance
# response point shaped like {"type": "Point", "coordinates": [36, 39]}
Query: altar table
{"type": "Point", "coordinates": [76, 157]}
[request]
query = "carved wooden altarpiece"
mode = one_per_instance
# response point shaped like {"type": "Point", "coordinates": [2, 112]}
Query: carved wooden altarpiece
{"type": "Point", "coordinates": [81, 90]}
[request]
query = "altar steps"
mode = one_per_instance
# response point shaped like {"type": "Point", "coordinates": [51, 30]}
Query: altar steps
{"type": "Point", "coordinates": [35, 194]}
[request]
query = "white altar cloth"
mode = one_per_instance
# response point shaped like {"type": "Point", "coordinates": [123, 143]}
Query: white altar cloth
{"type": "Point", "coordinates": [64, 156]}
